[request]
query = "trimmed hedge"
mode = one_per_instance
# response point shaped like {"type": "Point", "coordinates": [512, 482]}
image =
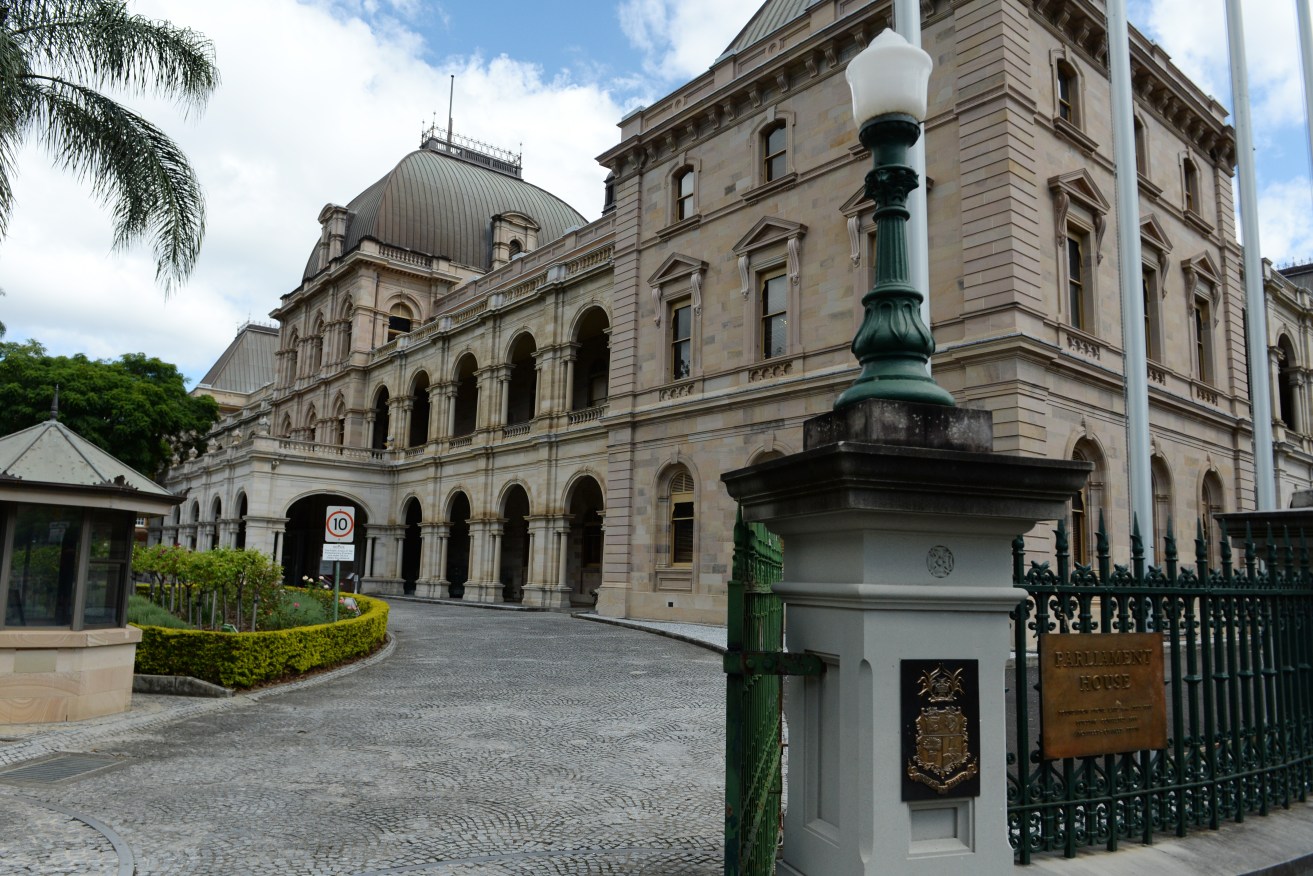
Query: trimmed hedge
{"type": "Point", "coordinates": [247, 659]}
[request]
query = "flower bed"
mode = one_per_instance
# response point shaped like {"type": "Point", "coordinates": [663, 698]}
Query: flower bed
{"type": "Point", "coordinates": [247, 659]}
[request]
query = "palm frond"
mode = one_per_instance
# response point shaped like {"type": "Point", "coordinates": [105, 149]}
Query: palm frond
{"type": "Point", "coordinates": [98, 42]}
{"type": "Point", "coordinates": [15, 111]}
{"type": "Point", "coordinates": [133, 167]}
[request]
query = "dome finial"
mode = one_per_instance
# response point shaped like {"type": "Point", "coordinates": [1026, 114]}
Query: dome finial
{"type": "Point", "coordinates": [54, 405]}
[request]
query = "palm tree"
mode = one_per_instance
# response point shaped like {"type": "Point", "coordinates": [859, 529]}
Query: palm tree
{"type": "Point", "coordinates": [55, 57]}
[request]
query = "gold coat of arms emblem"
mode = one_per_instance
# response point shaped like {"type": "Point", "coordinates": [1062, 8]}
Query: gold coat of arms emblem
{"type": "Point", "coordinates": [943, 758]}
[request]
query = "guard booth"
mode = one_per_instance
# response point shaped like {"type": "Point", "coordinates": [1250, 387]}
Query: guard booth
{"type": "Point", "coordinates": [68, 511]}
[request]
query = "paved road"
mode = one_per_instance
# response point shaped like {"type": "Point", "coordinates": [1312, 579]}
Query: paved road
{"type": "Point", "coordinates": [486, 744]}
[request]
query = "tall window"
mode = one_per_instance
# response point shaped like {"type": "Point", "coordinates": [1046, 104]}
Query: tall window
{"type": "Point", "coordinates": [1202, 326]}
{"type": "Point", "coordinates": [681, 519]}
{"type": "Point", "coordinates": [1191, 175]}
{"type": "Point", "coordinates": [1078, 288]}
{"type": "Point", "coordinates": [1210, 503]}
{"type": "Point", "coordinates": [775, 151]}
{"type": "Point", "coordinates": [399, 321]}
{"type": "Point", "coordinates": [684, 189]}
{"type": "Point", "coordinates": [1141, 148]}
{"type": "Point", "coordinates": [1080, 540]}
{"type": "Point", "coordinates": [1286, 387]}
{"type": "Point", "coordinates": [1149, 289]}
{"type": "Point", "coordinates": [681, 341]}
{"type": "Point", "coordinates": [1068, 94]}
{"type": "Point", "coordinates": [774, 316]}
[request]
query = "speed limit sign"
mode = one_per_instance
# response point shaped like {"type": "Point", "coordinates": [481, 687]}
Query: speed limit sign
{"type": "Point", "coordinates": [340, 524]}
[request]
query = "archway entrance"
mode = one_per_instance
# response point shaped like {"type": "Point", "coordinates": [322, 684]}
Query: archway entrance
{"type": "Point", "coordinates": [514, 569]}
{"type": "Point", "coordinates": [411, 547]}
{"type": "Point", "coordinates": [239, 539]}
{"type": "Point", "coordinates": [583, 565]}
{"type": "Point", "coordinates": [458, 546]}
{"type": "Point", "coordinates": [303, 541]}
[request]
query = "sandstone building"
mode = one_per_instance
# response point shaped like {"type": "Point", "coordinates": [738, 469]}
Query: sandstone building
{"type": "Point", "coordinates": [523, 405]}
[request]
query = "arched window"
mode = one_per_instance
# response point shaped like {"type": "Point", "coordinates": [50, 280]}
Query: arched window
{"type": "Point", "coordinates": [465, 406]}
{"type": "Point", "coordinates": [216, 512]}
{"type": "Point", "coordinates": [339, 424]}
{"type": "Point", "coordinates": [400, 320]}
{"type": "Point", "coordinates": [317, 345]}
{"type": "Point", "coordinates": [514, 248]}
{"type": "Point", "coordinates": [683, 188]}
{"type": "Point", "coordinates": [420, 410]}
{"type": "Point", "coordinates": [1211, 503]}
{"type": "Point", "coordinates": [522, 389]}
{"type": "Point", "coordinates": [382, 420]}
{"type": "Point", "coordinates": [1161, 485]}
{"type": "Point", "coordinates": [285, 430]}
{"type": "Point", "coordinates": [291, 354]}
{"type": "Point", "coordinates": [592, 365]}
{"type": "Point", "coordinates": [775, 151]}
{"type": "Point", "coordinates": [682, 518]}
{"type": "Point", "coordinates": [312, 424]}
{"type": "Point", "coordinates": [1286, 385]}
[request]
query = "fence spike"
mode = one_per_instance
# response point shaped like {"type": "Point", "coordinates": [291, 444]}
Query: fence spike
{"type": "Point", "coordinates": [1200, 549]}
{"type": "Point", "coordinates": [1101, 549]}
{"type": "Point", "coordinates": [1303, 555]}
{"type": "Point", "coordinates": [1137, 550]}
{"type": "Point", "coordinates": [1169, 550]}
{"type": "Point", "coordinates": [1019, 560]}
{"type": "Point", "coordinates": [1224, 544]}
{"type": "Point", "coordinates": [1063, 551]}
{"type": "Point", "coordinates": [1288, 552]}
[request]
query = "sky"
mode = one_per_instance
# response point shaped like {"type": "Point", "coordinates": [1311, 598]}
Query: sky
{"type": "Point", "coordinates": [320, 98]}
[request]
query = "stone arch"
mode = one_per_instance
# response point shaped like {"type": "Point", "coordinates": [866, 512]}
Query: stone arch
{"type": "Point", "coordinates": [465, 404]}
{"type": "Point", "coordinates": [675, 534]}
{"type": "Point", "coordinates": [1212, 501]}
{"type": "Point", "coordinates": [243, 507]}
{"type": "Point", "coordinates": [522, 387]}
{"type": "Point", "coordinates": [1088, 503]}
{"type": "Point", "coordinates": [381, 408]}
{"type": "Point", "coordinates": [591, 336]}
{"type": "Point", "coordinates": [420, 410]}
{"type": "Point", "coordinates": [301, 552]}
{"type": "Point", "coordinates": [338, 430]}
{"type": "Point", "coordinates": [457, 571]}
{"type": "Point", "coordinates": [1160, 478]}
{"type": "Point", "coordinates": [1288, 384]}
{"type": "Point", "coordinates": [514, 508]}
{"type": "Point", "coordinates": [585, 508]}
{"type": "Point", "coordinates": [216, 514]}
{"type": "Point", "coordinates": [311, 423]}
{"type": "Point", "coordinates": [412, 515]}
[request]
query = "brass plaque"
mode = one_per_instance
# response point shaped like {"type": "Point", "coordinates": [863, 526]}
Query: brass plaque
{"type": "Point", "coordinates": [1101, 694]}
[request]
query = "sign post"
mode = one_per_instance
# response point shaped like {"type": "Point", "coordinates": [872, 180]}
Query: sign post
{"type": "Point", "coordinates": [339, 538]}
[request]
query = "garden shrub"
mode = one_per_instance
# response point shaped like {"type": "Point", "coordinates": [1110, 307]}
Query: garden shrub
{"type": "Point", "coordinates": [143, 612]}
{"type": "Point", "coordinates": [296, 609]}
{"type": "Point", "coordinates": [247, 659]}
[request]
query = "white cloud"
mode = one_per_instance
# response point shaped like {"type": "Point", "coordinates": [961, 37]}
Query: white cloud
{"type": "Point", "coordinates": [680, 39]}
{"type": "Point", "coordinates": [1284, 230]}
{"type": "Point", "coordinates": [315, 104]}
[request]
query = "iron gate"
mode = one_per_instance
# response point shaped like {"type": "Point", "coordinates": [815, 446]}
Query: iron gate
{"type": "Point", "coordinates": [755, 663]}
{"type": "Point", "coordinates": [1239, 677]}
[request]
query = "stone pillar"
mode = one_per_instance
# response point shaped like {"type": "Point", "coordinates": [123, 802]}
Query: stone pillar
{"type": "Point", "coordinates": [450, 412]}
{"type": "Point", "coordinates": [427, 584]}
{"type": "Point", "coordinates": [539, 588]}
{"type": "Point", "coordinates": [567, 377]}
{"type": "Point", "coordinates": [264, 535]}
{"type": "Point", "coordinates": [384, 555]}
{"type": "Point", "coordinates": [897, 521]}
{"type": "Point", "coordinates": [401, 409]}
{"type": "Point", "coordinates": [441, 537]}
{"type": "Point", "coordinates": [494, 583]}
{"type": "Point", "coordinates": [503, 396]}
{"type": "Point", "coordinates": [1300, 389]}
{"type": "Point", "coordinates": [436, 418]}
{"type": "Point", "coordinates": [542, 389]}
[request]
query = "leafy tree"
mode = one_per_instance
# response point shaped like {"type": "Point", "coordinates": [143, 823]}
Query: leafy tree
{"type": "Point", "coordinates": [135, 407]}
{"type": "Point", "coordinates": [55, 57]}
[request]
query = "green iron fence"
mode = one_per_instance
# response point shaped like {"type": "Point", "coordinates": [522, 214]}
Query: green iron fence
{"type": "Point", "coordinates": [1239, 693]}
{"type": "Point", "coordinates": [755, 664]}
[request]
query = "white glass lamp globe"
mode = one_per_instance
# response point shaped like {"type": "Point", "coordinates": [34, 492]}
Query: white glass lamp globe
{"type": "Point", "coordinates": [889, 76]}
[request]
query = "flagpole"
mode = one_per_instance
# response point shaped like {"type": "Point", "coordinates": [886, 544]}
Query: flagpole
{"type": "Point", "coordinates": [1306, 63]}
{"type": "Point", "coordinates": [1130, 272]}
{"type": "Point", "coordinates": [1255, 310]}
{"type": "Point", "coordinates": [907, 23]}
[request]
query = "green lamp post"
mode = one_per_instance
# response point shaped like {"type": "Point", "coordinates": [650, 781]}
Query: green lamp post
{"type": "Point", "coordinates": [889, 79]}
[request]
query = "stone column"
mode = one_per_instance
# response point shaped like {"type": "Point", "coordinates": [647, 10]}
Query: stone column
{"type": "Point", "coordinates": [503, 396]}
{"type": "Point", "coordinates": [401, 421]}
{"type": "Point", "coordinates": [264, 535]}
{"type": "Point", "coordinates": [493, 583]}
{"type": "Point", "coordinates": [441, 537]}
{"type": "Point", "coordinates": [427, 584]}
{"type": "Point", "coordinates": [449, 416]}
{"type": "Point", "coordinates": [1301, 424]}
{"type": "Point", "coordinates": [538, 587]}
{"type": "Point", "coordinates": [437, 393]}
{"type": "Point", "coordinates": [385, 554]}
{"type": "Point", "coordinates": [568, 357]}
{"type": "Point", "coordinates": [897, 521]}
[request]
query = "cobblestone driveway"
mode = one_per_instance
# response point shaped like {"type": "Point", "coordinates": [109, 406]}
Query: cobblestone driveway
{"type": "Point", "coordinates": [488, 744]}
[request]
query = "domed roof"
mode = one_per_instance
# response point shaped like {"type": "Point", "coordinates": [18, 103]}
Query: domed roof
{"type": "Point", "coordinates": [440, 204]}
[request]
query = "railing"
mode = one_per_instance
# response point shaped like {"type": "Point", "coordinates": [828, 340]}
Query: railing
{"type": "Point", "coordinates": [586, 415]}
{"type": "Point", "coordinates": [1238, 667]}
{"type": "Point", "coordinates": [312, 448]}
{"type": "Point", "coordinates": [405, 256]}
{"type": "Point", "coordinates": [462, 441]}
{"type": "Point", "coordinates": [516, 429]}
{"type": "Point", "coordinates": [469, 313]}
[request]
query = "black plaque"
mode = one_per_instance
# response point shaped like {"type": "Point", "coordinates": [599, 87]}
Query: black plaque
{"type": "Point", "coordinates": [941, 728]}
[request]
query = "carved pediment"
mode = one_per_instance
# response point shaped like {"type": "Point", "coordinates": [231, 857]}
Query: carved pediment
{"type": "Point", "coordinates": [676, 266]}
{"type": "Point", "coordinates": [1201, 267]}
{"type": "Point", "coordinates": [857, 203]}
{"type": "Point", "coordinates": [1152, 233]}
{"type": "Point", "coordinates": [1081, 188]}
{"type": "Point", "coordinates": [768, 230]}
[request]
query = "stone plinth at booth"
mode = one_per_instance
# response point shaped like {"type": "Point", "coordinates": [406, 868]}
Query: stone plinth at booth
{"type": "Point", "coordinates": [67, 514]}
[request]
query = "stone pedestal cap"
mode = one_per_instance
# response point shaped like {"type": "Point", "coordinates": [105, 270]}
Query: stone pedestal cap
{"type": "Point", "coordinates": [902, 424]}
